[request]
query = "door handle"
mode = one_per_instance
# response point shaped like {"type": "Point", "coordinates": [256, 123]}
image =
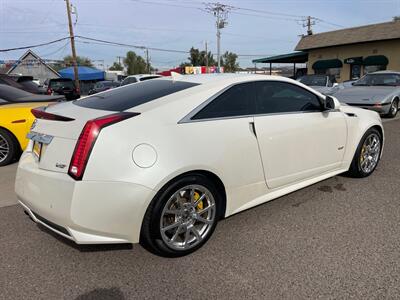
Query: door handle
{"type": "Point", "coordinates": [252, 128]}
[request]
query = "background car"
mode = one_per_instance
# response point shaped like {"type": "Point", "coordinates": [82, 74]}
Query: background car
{"type": "Point", "coordinates": [22, 82]}
{"type": "Point", "coordinates": [63, 86]}
{"type": "Point", "coordinates": [378, 91]}
{"type": "Point", "coordinates": [161, 161]}
{"type": "Point", "coordinates": [16, 119]}
{"type": "Point", "coordinates": [102, 86]}
{"type": "Point", "coordinates": [138, 78]}
{"type": "Point", "coordinates": [322, 83]}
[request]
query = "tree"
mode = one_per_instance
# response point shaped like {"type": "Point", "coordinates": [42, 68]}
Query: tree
{"type": "Point", "coordinates": [198, 58]}
{"type": "Point", "coordinates": [81, 61]}
{"type": "Point", "coordinates": [194, 57]}
{"type": "Point", "coordinates": [135, 64]}
{"type": "Point", "coordinates": [116, 67]}
{"type": "Point", "coordinates": [228, 61]}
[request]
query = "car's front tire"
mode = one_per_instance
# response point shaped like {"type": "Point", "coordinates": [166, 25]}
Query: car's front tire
{"type": "Point", "coordinates": [394, 108]}
{"type": "Point", "coordinates": [182, 216]}
{"type": "Point", "coordinates": [8, 148]}
{"type": "Point", "coordinates": [367, 155]}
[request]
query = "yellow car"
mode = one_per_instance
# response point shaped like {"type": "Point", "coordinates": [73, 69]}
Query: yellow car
{"type": "Point", "coordinates": [16, 120]}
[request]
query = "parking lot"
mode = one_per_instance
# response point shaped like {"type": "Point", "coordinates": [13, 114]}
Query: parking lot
{"type": "Point", "coordinates": [336, 239]}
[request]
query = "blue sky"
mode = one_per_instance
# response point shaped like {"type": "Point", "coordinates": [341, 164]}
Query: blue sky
{"type": "Point", "coordinates": [177, 25]}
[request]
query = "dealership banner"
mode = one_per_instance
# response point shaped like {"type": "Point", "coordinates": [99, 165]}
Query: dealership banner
{"type": "Point", "coordinates": [203, 70]}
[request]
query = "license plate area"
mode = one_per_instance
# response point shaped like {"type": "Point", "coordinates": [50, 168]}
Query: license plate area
{"type": "Point", "coordinates": [37, 149]}
{"type": "Point", "coordinates": [39, 142]}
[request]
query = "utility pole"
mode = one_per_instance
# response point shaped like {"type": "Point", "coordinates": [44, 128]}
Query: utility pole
{"type": "Point", "coordinates": [220, 11]}
{"type": "Point", "coordinates": [206, 57]}
{"type": "Point", "coordinates": [72, 37]}
{"type": "Point", "coordinates": [147, 61]}
{"type": "Point", "coordinates": [119, 59]}
{"type": "Point", "coordinates": [309, 22]}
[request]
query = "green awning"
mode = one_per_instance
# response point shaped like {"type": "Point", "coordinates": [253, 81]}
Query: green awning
{"type": "Point", "coordinates": [354, 60]}
{"type": "Point", "coordinates": [376, 60]}
{"type": "Point", "coordinates": [295, 57]}
{"type": "Point", "coordinates": [327, 64]}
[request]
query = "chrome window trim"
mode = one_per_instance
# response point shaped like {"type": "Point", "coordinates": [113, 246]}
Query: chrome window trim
{"type": "Point", "coordinates": [189, 116]}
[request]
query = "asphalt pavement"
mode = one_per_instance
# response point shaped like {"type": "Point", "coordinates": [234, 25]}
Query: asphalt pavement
{"type": "Point", "coordinates": [338, 239]}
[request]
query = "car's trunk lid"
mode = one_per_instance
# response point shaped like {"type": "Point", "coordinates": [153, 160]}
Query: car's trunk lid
{"type": "Point", "coordinates": [57, 138]}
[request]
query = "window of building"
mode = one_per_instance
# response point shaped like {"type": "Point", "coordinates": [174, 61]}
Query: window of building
{"type": "Point", "coordinates": [370, 69]}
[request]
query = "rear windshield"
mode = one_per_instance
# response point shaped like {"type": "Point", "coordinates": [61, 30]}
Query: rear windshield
{"type": "Point", "coordinates": [61, 84]}
{"type": "Point", "coordinates": [129, 96]}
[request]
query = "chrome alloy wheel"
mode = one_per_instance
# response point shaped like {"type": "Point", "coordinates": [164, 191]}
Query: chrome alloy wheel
{"type": "Point", "coordinates": [187, 217]}
{"type": "Point", "coordinates": [370, 152]}
{"type": "Point", "coordinates": [394, 107]}
{"type": "Point", "coordinates": [4, 148]}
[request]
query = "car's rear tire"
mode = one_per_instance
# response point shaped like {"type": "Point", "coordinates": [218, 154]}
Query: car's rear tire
{"type": "Point", "coordinates": [394, 108]}
{"type": "Point", "coordinates": [367, 155]}
{"type": "Point", "coordinates": [8, 147]}
{"type": "Point", "coordinates": [181, 217]}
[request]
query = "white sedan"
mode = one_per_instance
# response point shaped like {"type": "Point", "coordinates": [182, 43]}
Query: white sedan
{"type": "Point", "coordinates": [161, 161]}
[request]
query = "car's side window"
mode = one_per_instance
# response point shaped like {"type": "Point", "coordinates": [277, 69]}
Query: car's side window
{"type": "Point", "coordinates": [238, 100]}
{"type": "Point", "coordinates": [147, 78]}
{"type": "Point", "coordinates": [282, 97]}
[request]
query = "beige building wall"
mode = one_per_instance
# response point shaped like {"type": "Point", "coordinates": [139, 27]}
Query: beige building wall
{"type": "Point", "coordinates": [390, 49]}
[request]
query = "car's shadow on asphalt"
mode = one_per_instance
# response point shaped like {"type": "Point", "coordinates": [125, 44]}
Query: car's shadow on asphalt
{"type": "Point", "coordinates": [86, 248]}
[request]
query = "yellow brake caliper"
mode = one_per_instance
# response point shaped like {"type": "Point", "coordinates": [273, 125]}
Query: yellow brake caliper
{"type": "Point", "coordinates": [196, 197]}
{"type": "Point", "coordinates": [362, 154]}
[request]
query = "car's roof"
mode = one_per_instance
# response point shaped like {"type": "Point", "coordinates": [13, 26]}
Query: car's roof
{"type": "Point", "coordinates": [223, 78]}
{"type": "Point", "coordinates": [143, 75]}
{"type": "Point", "coordinates": [207, 85]}
{"type": "Point", "coordinates": [386, 72]}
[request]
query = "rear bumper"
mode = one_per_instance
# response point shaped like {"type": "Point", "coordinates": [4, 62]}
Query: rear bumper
{"type": "Point", "coordinates": [87, 212]}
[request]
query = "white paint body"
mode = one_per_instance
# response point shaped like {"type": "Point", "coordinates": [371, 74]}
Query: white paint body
{"type": "Point", "coordinates": [132, 160]}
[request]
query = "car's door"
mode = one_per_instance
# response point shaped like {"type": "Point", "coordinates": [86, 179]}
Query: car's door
{"type": "Point", "coordinates": [226, 139]}
{"type": "Point", "coordinates": [297, 140]}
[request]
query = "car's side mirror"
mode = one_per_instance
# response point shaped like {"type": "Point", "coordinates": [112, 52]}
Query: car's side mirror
{"type": "Point", "coordinates": [335, 84]}
{"type": "Point", "coordinates": [328, 103]}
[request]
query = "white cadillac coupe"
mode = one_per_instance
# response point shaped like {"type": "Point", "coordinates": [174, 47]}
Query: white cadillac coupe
{"type": "Point", "coordinates": [160, 162]}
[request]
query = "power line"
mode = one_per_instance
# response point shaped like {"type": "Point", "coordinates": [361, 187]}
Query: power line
{"type": "Point", "coordinates": [269, 12]}
{"type": "Point", "coordinates": [34, 46]}
{"type": "Point", "coordinates": [265, 17]}
{"type": "Point", "coordinates": [329, 23]}
{"type": "Point", "coordinates": [130, 45]}
{"type": "Point", "coordinates": [165, 4]}
{"type": "Point", "coordinates": [62, 48]}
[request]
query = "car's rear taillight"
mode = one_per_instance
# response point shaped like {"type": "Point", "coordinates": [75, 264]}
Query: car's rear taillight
{"type": "Point", "coordinates": [40, 113]}
{"type": "Point", "coordinates": [49, 91]}
{"type": "Point", "coordinates": [87, 140]}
